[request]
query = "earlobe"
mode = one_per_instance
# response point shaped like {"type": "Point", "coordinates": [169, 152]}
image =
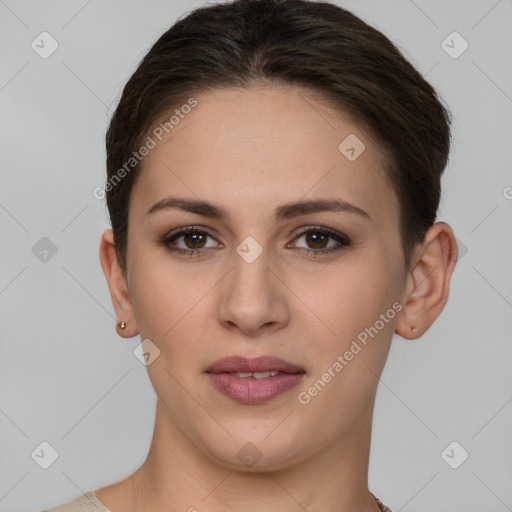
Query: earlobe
{"type": "Point", "coordinates": [126, 325]}
{"type": "Point", "coordinates": [428, 281]}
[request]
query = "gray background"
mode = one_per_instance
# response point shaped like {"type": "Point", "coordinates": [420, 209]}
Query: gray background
{"type": "Point", "coordinates": [66, 377]}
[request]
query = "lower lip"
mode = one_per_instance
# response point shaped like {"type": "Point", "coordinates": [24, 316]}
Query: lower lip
{"type": "Point", "coordinates": [254, 391]}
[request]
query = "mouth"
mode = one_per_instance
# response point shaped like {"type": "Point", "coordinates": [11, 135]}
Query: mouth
{"type": "Point", "coordinates": [256, 375]}
{"type": "Point", "coordinates": [254, 381]}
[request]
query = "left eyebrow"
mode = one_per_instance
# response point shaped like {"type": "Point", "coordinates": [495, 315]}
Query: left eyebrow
{"type": "Point", "coordinates": [285, 211]}
{"type": "Point", "coordinates": [290, 210]}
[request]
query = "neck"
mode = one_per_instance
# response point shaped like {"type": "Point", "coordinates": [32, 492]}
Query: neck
{"type": "Point", "coordinates": [176, 475]}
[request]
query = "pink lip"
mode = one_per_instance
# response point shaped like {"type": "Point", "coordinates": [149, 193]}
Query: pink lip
{"type": "Point", "coordinates": [252, 391]}
{"type": "Point", "coordinates": [257, 364]}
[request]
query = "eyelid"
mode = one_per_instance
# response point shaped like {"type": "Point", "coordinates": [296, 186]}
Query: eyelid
{"type": "Point", "coordinates": [185, 229]}
{"type": "Point", "coordinates": [341, 239]}
{"type": "Point", "coordinates": [179, 232]}
{"type": "Point", "coordinates": [323, 229]}
{"type": "Point", "coordinates": [301, 230]}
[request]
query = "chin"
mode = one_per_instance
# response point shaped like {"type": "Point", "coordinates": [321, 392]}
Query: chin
{"type": "Point", "coordinates": [255, 452]}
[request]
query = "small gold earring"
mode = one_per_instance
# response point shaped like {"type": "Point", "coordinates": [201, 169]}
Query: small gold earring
{"type": "Point", "coordinates": [413, 329]}
{"type": "Point", "coordinates": [122, 324]}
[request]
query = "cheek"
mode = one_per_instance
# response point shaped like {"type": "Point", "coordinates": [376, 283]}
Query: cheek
{"type": "Point", "coordinates": [345, 374]}
{"type": "Point", "coordinates": [171, 307]}
{"type": "Point", "coordinates": [165, 312]}
{"type": "Point", "coordinates": [155, 297]}
{"type": "Point", "coordinates": [361, 310]}
{"type": "Point", "coordinates": [352, 299]}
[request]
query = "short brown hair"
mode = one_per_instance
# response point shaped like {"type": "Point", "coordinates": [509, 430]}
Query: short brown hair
{"type": "Point", "coordinates": [316, 45]}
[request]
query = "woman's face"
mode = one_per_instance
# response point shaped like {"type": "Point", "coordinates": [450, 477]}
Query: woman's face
{"type": "Point", "coordinates": [252, 281]}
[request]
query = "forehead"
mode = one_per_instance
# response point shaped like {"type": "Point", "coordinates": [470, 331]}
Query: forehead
{"type": "Point", "coordinates": [265, 146]}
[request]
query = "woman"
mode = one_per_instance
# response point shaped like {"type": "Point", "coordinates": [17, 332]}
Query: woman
{"type": "Point", "coordinates": [273, 180]}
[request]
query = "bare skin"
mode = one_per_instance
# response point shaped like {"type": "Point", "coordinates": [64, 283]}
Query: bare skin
{"type": "Point", "coordinates": [249, 152]}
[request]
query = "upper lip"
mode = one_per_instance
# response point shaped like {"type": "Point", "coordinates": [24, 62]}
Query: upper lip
{"type": "Point", "coordinates": [264, 363]}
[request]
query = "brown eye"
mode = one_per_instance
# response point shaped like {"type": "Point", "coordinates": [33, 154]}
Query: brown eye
{"type": "Point", "coordinates": [190, 241]}
{"type": "Point", "coordinates": [318, 241]}
{"type": "Point", "coordinates": [194, 240]}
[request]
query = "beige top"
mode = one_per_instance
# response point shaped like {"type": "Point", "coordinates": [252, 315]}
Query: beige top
{"type": "Point", "coordinates": [85, 503]}
{"type": "Point", "coordinates": [89, 503]}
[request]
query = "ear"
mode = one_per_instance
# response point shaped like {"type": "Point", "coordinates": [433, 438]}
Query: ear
{"type": "Point", "coordinates": [428, 281]}
{"type": "Point", "coordinates": [117, 285]}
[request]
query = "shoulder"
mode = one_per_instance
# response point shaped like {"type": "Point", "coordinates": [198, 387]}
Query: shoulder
{"type": "Point", "coordinates": [85, 503]}
{"type": "Point", "coordinates": [382, 507]}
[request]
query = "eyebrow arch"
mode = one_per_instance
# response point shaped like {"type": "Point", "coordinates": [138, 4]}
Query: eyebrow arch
{"type": "Point", "coordinates": [285, 211]}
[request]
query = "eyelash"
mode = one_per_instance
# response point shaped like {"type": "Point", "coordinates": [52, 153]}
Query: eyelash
{"type": "Point", "coordinates": [343, 240]}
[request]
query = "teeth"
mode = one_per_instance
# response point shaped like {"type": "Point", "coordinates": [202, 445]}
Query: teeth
{"type": "Point", "coordinates": [263, 375]}
{"type": "Point", "coordinates": [256, 375]}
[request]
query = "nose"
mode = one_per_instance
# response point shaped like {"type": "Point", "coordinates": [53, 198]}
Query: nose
{"type": "Point", "coordinates": [253, 298]}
